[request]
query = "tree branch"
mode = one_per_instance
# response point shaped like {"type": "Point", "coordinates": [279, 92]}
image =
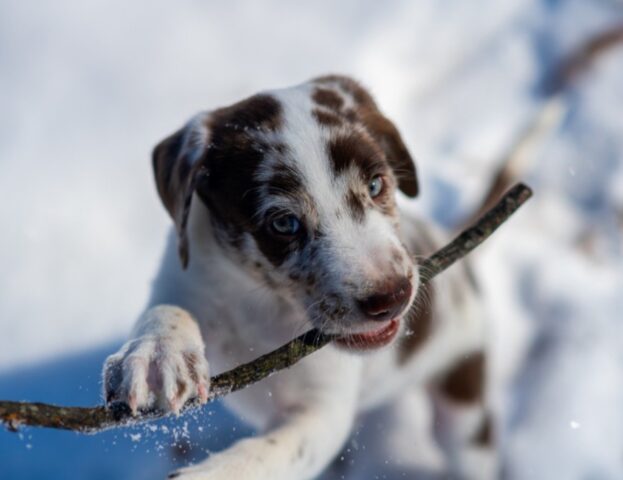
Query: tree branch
{"type": "Point", "coordinates": [94, 419]}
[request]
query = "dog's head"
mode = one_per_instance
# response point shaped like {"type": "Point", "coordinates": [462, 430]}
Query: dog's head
{"type": "Point", "coordinates": [300, 187]}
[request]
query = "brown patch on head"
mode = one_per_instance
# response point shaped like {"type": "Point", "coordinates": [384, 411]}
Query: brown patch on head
{"type": "Point", "coordinates": [259, 112]}
{"type": "Point", "coordinates": [355, 150]}
{"type": "Point", "coordinates": [349, 85]}
{"type": "Point", "coordinates": [236, 151]}
{"type": "Point", "coordinates": [356, 205]}
{"type": "Point", "coordinates": [342, 153]}
{"type": "Point", "coordinates": [285, 180]}
{"type": "Point", "coordinates": [419, 324]}
{"type": "Point", "coordinates": [233, 190]}
{"type": "Point", "coordinates": [188, 159]}
{"type": "Point", "coordinates": [326, 118]}
{"type": "Point", "coordinates": [331, 111]}
{"type": "Point", "coordinates": [350, 115]}
{"type": "Point", "coordinates": [328, 98]}
{"type": "Point", "coordinates": [465, 382]}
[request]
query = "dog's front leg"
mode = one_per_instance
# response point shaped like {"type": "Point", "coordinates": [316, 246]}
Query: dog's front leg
{"type": "Point", "coordinates": [314, 423]}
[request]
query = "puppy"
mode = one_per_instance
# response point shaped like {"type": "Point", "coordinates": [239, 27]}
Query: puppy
{"type": "Point", "coordinates": [285, 215]}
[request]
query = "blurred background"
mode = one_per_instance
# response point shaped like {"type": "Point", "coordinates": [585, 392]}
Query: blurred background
{"type": "Point", "coordinates": [534, 87]}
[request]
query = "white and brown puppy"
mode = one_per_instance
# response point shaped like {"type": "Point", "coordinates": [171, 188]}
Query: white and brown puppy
{"type": "Point", "coordinates": [286, 219]}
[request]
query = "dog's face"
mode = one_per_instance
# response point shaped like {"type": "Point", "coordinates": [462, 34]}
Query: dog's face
{"type": "Point", "coordinates": [300, 185]}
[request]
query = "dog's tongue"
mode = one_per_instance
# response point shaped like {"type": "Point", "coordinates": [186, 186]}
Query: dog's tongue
{"type": "Point", "coordinates": [371, 340]}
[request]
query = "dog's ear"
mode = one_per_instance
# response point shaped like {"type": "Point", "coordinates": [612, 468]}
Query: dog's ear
{"type": "Point", "coordinates": [178, 161]}
{"type": "Point", "coordinates": [388, 137]}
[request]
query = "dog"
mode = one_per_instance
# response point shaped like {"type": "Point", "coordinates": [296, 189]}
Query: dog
{"type": "Point", "coordinates": [286, 218]}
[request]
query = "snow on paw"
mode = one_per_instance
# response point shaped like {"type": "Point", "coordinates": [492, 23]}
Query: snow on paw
{"type": "Point", "coordinates": [164, 367]}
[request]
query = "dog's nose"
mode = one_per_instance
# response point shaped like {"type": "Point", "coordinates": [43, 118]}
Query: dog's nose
{"type": "Point", "coordinates": [387, 303]}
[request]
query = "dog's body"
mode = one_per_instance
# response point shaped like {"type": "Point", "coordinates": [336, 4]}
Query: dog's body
{"type": "Point", "coordinates": [294, 225]}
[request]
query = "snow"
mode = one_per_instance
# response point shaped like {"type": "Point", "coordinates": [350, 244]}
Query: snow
{"type": "Point", "coordinates": [88, 88]}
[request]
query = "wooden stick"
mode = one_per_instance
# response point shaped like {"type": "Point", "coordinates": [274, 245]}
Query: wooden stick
{"type": "Point", "coordinates": [94, 419]}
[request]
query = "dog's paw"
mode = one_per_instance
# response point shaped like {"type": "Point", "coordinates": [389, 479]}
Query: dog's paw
{"type": "Point", "coordinates": [163, 367]}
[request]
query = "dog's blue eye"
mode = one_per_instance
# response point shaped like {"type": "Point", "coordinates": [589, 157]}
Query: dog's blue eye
{"type": "Point", "coordinates": [375, 187]}
{"type": "Point", "coordinates": [286, 225]}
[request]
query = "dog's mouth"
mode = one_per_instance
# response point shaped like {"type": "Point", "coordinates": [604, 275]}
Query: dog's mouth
{"type": "Point", "coordinates": [373, 339]}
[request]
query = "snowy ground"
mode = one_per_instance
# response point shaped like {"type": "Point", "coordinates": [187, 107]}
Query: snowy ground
{"type": "Point", "coordinates": [87, 88]}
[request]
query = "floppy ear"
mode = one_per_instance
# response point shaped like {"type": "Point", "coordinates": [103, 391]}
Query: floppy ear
{"type": "Point", "coordinates": [388, 137]}
{"type": "Point", "coordinates": [178, 162]}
